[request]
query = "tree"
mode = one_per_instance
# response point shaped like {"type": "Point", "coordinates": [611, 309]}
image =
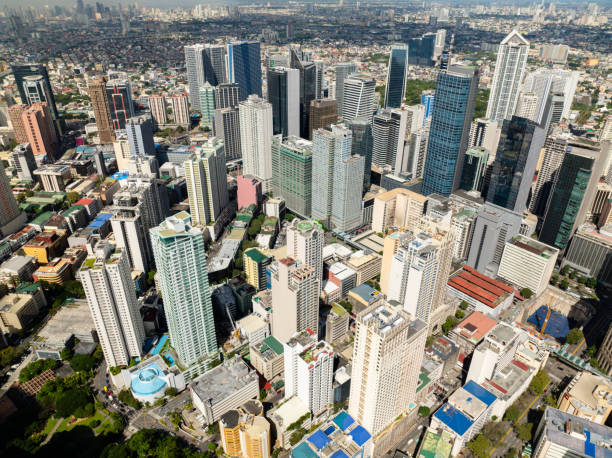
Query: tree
{"type": "Point", "coordinates": [524, 430]}
{"type": "Point", "coordinates": [429, 341]}
{"type": "Point", "coordinates": [550, 400]}
{"type": "Point", "coordinates": [510, 453]}
{"type": "Point", "coordinates": [151, 442]}
{"type": "Point", "coordinates": [9, 355]}
{"type": "Point", "coordinates": [554, 279]}
{"type": "Point", "coordinates": [262, 394]}
{"type": "Point", "coordinates": [66, 353]}
{"type": "Point", "coordinates": [74, 288]}
{"type": "Point", "coordinates": [573, 274]}
{"type": "Point", "coordinates": [574, 336]}
{"type": "Point", "coordinates": [151, 277]}
{"type": "Point", "coordinates": [463, 305]}
{"type": "Point", "coordinates": [591, 351]}
{"type": "Point", "coordinates": [479, 446]}
{"type": "Point", "coordinates": [82, 363]}
{"type": "Point", "coordinates": [512, 413]}
{"type": "Point", "coordinates": [126, 397]}
{"type": "Point", "coordinates": [591, 282]}
{"type": "Point", "coordinates": [449, 324]}
{"type": "Point", "coordinates": [70, 401]}
{"type": "Point", "coordinates": [564, 270]}
{"type": "Point", "coordinates": [539, 383]}
{"type": "Point", "coordinates": [171, 391]}
{"type": "Point", "coordinates": [424, 411]}
{"type": "Point", "coordinates": [36, 368]}
{"type": "Point", "coordinates": [526, 293]}
{"type": "Point", "coordinates": [72, 197]}
{"type": "Point", "coordinates": [564, 284]}
{"type": "Point", "coordinates": [459, 314]}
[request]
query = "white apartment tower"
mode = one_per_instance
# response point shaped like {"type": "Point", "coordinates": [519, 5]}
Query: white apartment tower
{"type": "Point", "coordinates": [180, 258]}
{"type": "Point", "coordinates": [305, 240]}
{"type": "Point", "coordinates": [387, 355]}
{"type": "Point", "coordinates": [111, 296]}
{"type": "Point", "coordinates": [509, 72]}
{"type": "Point", "coordinates": [207, 182]}
{"type": "Point", "coordinates": [358, 97]}
{"type": "Point", "coordinates": [157, 105]}
{"type": "Point", "coordinates": [180, 109]}
{"type": "Point", "coordinates": [343, 70]}
{"type": "Point", "coordinates": [256, 139]}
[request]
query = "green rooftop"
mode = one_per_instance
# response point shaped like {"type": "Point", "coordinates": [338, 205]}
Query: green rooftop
{"type": "Point", "coordinates": [338, 309]}
{"type": "Point", "coordinates": [423, 381]}
{"type": "Point", "coordinates": [436, 445]}
{"type": "Point", "coordinates": [89, 262]}
{"type": "Point", "coordinates": [256, 255]}
{"type": "Point", "coordinates": [273, 344]}
{"type": "Point", "coordinates": [29, 288]}
{"type": "Point", "coordinates": [42, 218]}
{"type": "Point", "coordinates": [72, 209]}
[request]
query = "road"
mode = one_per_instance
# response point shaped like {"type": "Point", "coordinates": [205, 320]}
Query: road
{"type": "Point", "coordinates": [15, 375]}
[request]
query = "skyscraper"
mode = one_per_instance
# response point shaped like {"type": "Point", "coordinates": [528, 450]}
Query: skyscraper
{"type": "Point", "coordinates": [543, 81]}
{"type": "Point", "coordinates": [336, 175]}
{"type": "Point", "coordinates": [421, 51]}
{"type": "Point", "coordinates": [284, 95]}
{"type": "Point", "coordinates": [15, 114]}
{"type": "Point", "coordinates": [305, 240]}
{"type": "Point", "coordinates": [119, 95]}
{"type": "Point", "coordinates": [450, 128]}
{"type": "Point", "coordinates": [227, 128]}
{"type": "Point", "coordinates": [206, 182]}
{"type": "Point", "coordinates": [320, 69]}
{"type": "Point", "coordinates": [180, 109]}
{"type": "Point", "coordinates": [323, 113]}
{"type": "Point", "coordinates": [292, 173]}
{"type": "Point", "coordinates": [358, 97]}
{"type": "Point", "coordinates": [256, 139]}
{"type": "Point", "coordinates": [572, 191]}
{"type": "Point", "coordinates": [111, 295]}
{"type": "Point", "coordinates": [24, 161]}
{"type": "Point", "coordinates": [207, 105]}
{"type": "Point", "coordinates": [180, 258]}
{"type": "Point", "coordinates": [140, 135]}
{"type": "Point", "coordinates": [387, 354]}
{"type": "Point", "coordinates": [227, 95]}
{"type": "Point", "coordinates": [361, 130]}
{"type": "Point", "coordinates": [388, 133]}
{"type": "Point", "coordinates": [343, 70]}
{"type": "Point", "coordinates": [295, 299]}
{"type": "Point", "coordinates": [102, 112]}
{"type": "Point", "coordinates": [515, 162]}
{"type": "Point", "coordinates": [40, 130]}
{"type": "Point", "coordinates": [509, 72]}
{"type": "Point", "coordinates": [21, 72]}
{"type": "Point", "coordinates": [396, 76]}
{"type": "Point", "coordinates": [308, 86]}
{"type": "Point", "coordinates": [157, 105]}
{"type": "Point", "coordinates": [244, 66]}
{"type": "Point", "coordinates": [204, 63]}
{"type": "Point", "coordinates": [11, 219]}
{"type": "Point", "coordinates": [474, 166]}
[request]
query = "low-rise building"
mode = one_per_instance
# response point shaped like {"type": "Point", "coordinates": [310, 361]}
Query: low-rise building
{"type": "Point", "coordinates": [17, 311]}
{"type": "Point", "coordinates": [436, 444]}
{"type": "Point", "coordinates": [494, 353]}
{"type": "Point", "coordinates": [588, 396]}
{"type": "Point", "coordinates": [255, 264]}
{"type": "Point", "coordinates": [508, 384]}
{"type": "Point", "coordinates": [337, 323]}
{"type": "Point", "coordinates": [290, 413]}
{"type": "Point", "coordinates": [470, 332]}
{"type": "Point", "coordinates": [54, 177]}
{"type": "Point", "coordinates": [590, 252]}
{"type": "Point", "coordinates": [362, 296]}
{"type": "Point", "coordinates": [59, 271]}
{"type": "Point", "coordinates": [17, 267]}
{"type": "Point", "coordinates": [267, 357]}
{"type": "Point", "coordinates": [254, 328]}
{"type": "Point", "coordinates": [46, 246]}
{"type": "Point", "coordinates": [366, 266]}
{"type": "Point", "coordinates": [223, 388]}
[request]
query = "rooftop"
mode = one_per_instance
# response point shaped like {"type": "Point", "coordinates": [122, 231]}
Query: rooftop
{"type": "Point", "coordinates": [251, 323]}
{"type": "Point", "coordinates": [16, 263]}
{"type": "Point", "coordinates": [288, 412]}
{"type": "Point", "coordinates": [592, 392]}
{"type": "Point", "coordinates": [73, 318]}
{"type": "Point", "coordinates": [256, 255]}
{"type": "Point", "coordinates": [480, 287]}
{"type": "Point", "coordinates": [533, 246]}
{"type": "Point", "coordinates": [436, 444]}
{"type": "Point", "coordinates": [475, 327]}
{"type": "Point", "coordinates": [13, 303]}
{"type": "Point", "coordinates": [224, 380]}
{"type": "Point", "coordinates": [506, 382]}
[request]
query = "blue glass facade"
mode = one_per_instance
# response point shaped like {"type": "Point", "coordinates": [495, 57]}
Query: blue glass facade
{"type": "Point", "coordinates": [396, 77]}
{"type": "Point", "coordinates": [450, 128]}
{"type": "Point", "coordinates": [421, 50]}
{"type": "Point", "coordinates": [244, 60]}
{"type": "Point", "coordinates": [427, 100]}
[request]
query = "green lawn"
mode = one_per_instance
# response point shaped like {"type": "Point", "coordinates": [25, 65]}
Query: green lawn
{"type": "Point", "coordinates": [67, 425]}
{"type": "Point", "coordinates": [51, 422]}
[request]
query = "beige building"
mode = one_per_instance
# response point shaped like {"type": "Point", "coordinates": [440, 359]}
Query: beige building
{"type": "Point", "coordinates": [245, 432]}
{"type": "Point", "coordinates": [16, 312]}
{"type": "Point", "coordinates": [397, 208]}
{"type": "Point", "coordinates": [587, 396]}
{"type": "Point", "coordinates": [604, 356]}
{"type": "Point", "coordinates": [337, 323]}
{"type": "Point", "coordinates": [367, 266]}
{"type": "Point", "coordinates": [295, 299]}
{"type": "Point", "coordinates": [392, 243]}
{"type": "Point", "coordinates": [267, 357]}
{"type": "Point", "coordinates": [255, 263]}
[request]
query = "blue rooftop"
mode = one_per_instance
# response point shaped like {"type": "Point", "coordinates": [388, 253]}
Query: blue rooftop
{"type": "Point", "coordinates": [360, 435]}
{"type": "Point", "coordinates": [364, 291]}
{"type": "Point", "coordinates": [303, 451]}
{"type": "Point", "coordinates": [454, 419]}
{"type": "Point", "coordinates": [100, 220]}
{"type": "Point", "coordinates": [338, 454]}
{"type": "Point", "coordinates": [343, 420]}
{"type": "Point", "coordinates": [478, 391]}
{"type": "Point", "coordinates": [319, 439]}
{"type": "Point", "coordinates": [120, 175]}
{"type": "Point", "coordinates": [148, 380]}
{"type": "Point", "coordinates": [329, 430]}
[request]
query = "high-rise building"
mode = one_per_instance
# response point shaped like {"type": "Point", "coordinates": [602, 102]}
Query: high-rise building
{"type": "Point", "coordinates": [358, 97]}
{"type": "Point", "coordinates": [422, 50]}
{"type": "Point", "coordinates": [119, 95]}
{"type": "Point", "coordinates": [604, 356]}
{"type": "Point", "coordinates": [40, 130]}
{"type": "Point", "coordinates": [509, 73]}
{"type": "Point", "coordinates": [21, 73]}
{"type": "Point", "coordinates": [572, 191]}
{"type": "Point", "coordinates": [101, 106]}
{"type": "Point", "coordinates": [396, 76]}
{"type": "Point", "coordinates": [297, 343]}
{"type": "Point", "coordinates": [553, 110]}
{"type": "Point", "coordinates": [343, 70]}
{"type": "Point", "coordinates": [36, 90]}
{"type": "Point", "coordinates": [388, 133]}
{"type": "Point", "coordinates": [515, 162]}
{"type": "Point", "coordinates": [140, 135]}
{"type": "Point", "coordinates": [305, 240]}
{"type": "Point", "coordinates": [544, 81]}
{"type": "Point", "coordinates": [180, 258]}
{"type": "Point", "coordinates": [363, 143]}
{"type": "Point", "coordinates": [388, 351]}
{"type": "Point", "coordinates": [485, 133]}
{"type": "Point", "coordinates": [256, 139]}
{"type": "Point", "coordinates": [323, 113]}
{"type": "Point", "coordinates": [336, 174]}
{"type": "Point", "coordinates": [206, 182]}
{"type": "Point", "coordinates": [474, 166]}
{"type": "Point", "coordinates": [557, 54]}
{"type": "Point", "coordinates": [428, 99]}
{"type": "Point", "coordinates": [397, 208]}
{"type": "Point", "coordinates": [450, 127]}
{"type": "Point", "coordinates": [308, 86]}
{"type": "Point", "coordinates": [292, 173]}
{"type": "Point", "coordinates": [295, 299]}
{"type": "Point", "coordinates": [245, 433]}
{"type": "Point", "coordinates": [527, 105]}
{"type": "Point", "coordinates": [312, 370]}
{"type": "Point", "coordinates": [15, 114]}
{"type": "Point", "coordinates": [111, 295]}
{"type": "Point", "coordinates": [244, 66]}
{"type": "Point", "coordinates": [255, 264]}
{"type": "Point", "coordinates": [24, 161]}
{"type": "Point", "coordinates": [180, 109]}
{"type": "Point", "coordinates": [284, 95]}
{"type": "Point", "coordinates": [205, 64]}
{"type": "Point", "coordinates": [157, 105]}
{"type": "Point", "coordinates": [226, 127]}
{"type": "Point", "coordinates": [11, 219]}
{"type": "Point", "coordinates": [320, 69]}
{"type": "Point", "coordinates": [227, 95]}
{"type": "Point", "coordinates": [207, 105]}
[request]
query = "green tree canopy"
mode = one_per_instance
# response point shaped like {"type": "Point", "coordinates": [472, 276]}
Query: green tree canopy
{"type": "Point", "coordinates": [512, 413]}
{"type": "Point", "coordinates": [575, 336]}
{"type": "Point", "coordinates": [480, 446]}
{"type": "Point", "coordinates": [539, 383]}
{"type": "Point", "coordinates": [526, 293]}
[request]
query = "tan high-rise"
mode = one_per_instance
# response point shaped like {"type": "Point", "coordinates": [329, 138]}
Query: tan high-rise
{"type": "Point", "coordinates": [323, 112]}
{"type": "Point", "coordinates": [40, 130]}
{"type": "Point", "coordinates": [15, 113]}
{"type": "Point", "coordinates": [102, 113]}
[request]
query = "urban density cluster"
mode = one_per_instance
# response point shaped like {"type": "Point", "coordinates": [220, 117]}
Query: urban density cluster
{"type": "Point", "coordinates": [339, 230]}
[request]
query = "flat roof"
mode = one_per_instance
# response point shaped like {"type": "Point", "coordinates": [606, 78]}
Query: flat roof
{"type": "Point", "coordinates": [533, 246]}
{"type": "Point", "coordinates": [251, 323]}
{"type": "Point", "coordinates": [480, 287]}
{"type": "Point", "coordinates": [475, 326]}
{"type": "Point", "coordinates": [436, 444]}
{"type": "Point", "coordinates": [224, 380]}
{"type": "Point", "coordinates": [73, 318]}
{"type": "Point", "coordinates": [288, 412]}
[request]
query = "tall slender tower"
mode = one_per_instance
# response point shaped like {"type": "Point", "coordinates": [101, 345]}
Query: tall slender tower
{"type": "Point", "coordinates": [111, 296]}
{"type": "Point", "coordinates": [244, 66]}
{"type": "Point", "coordinates": [180, 258]}
{"type": "Point", "coordinates": [305, 240]}
{"type": "Point", "coordinates": [101, 107]}
{"type": "Point", "coordinates": [396, 76]}
{"type": "Point", "coordinates": [256, 139]}
{"type": "Point", "coordinates": [119, 93]}
{"type": "Point", "coordinates": [343, 70]}
{"type": "Point", "coordinates": [284, 95]}
{"type": "Point", "coordinates": [157, 105]}
{"type": "Point", "coordinates": [207, 105]}
{"type": "Point", "coordinates": [508, 76]}
{"type": "Point", "coordinates": [308, 87]}
{"type": "Point", "coordinates": [358, 97]}
{"type": "Point", "coordinates": [11, 219]}
{"type": "Point", "coordinates": [205, 64]}
{"type": "Point", "coordinates": [40, 130]}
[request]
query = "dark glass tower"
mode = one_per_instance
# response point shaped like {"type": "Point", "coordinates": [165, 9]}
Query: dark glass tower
{"type": "Point", "coordinates": [450, 128]}
{"type": "Point", "coordinates": [283, 94]}
{"type": "Point", "coordinates": [244, 67]}
{"type": "Point", "coordinates": [308, 88]}
{"type": "Point", "coordinates": [396, 76]}
{"type": "Point", "coordinates": [421, 50]}
{"type": "Point", "coordinates": [22, 71]}
{"type": "Point", "coordinates": [361, 128]}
